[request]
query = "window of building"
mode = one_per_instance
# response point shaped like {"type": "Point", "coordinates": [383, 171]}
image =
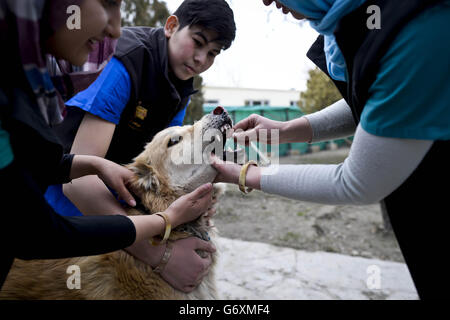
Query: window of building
{"type": "Point", "coordinates": [257, 102]}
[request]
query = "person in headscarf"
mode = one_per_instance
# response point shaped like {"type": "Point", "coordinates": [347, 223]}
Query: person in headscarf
{"type": "Point", "coordinates": [396, 90]}
{"type": "Point", "coordinates": [31, 157]}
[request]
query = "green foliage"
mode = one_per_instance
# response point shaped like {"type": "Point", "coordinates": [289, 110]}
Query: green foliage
{"type": "Point", "coordinates": [154, 13]}
{"type": "Point", "coordinates": [195, 109]}
{"type": "Point", "coordinates": [320, 92]}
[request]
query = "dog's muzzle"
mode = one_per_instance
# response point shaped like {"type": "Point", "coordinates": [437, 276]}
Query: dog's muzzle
{"type": "Point", "coordinates": [221, 120]}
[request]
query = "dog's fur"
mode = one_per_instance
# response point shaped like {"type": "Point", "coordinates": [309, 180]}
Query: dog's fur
{"type": "Point", "coordinates": [158, 181]}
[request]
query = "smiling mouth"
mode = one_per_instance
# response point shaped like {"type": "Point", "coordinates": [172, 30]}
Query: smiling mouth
{"type": "Point", "coordinates": [91, 43]}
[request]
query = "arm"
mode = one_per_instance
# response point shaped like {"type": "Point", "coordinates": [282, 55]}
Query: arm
{"type": "Point", "coordinates": [335, 121]}
{"type": "Point", "coordinates": [366, 176]}
{"type": "Point", "coordinates": [89, 193]}
{"type": "Point", "coordinates": [35, 231]}
{"type": "Point", "coordinates": [332, 122]}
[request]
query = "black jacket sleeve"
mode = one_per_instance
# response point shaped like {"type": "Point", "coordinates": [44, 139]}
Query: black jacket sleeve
{"type": "Point", "coordinates": [63, 171]}
{"type": "Point", "coordinates": [32, 230]}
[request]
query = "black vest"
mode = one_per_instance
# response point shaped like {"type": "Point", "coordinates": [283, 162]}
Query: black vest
{"type": "Point", "coordinates": [156, 96]}
{"type": "Point", "coordinates": [417, 209]}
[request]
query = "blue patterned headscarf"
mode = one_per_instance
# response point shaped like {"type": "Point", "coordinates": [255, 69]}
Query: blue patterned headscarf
{"type": "Point", "coordinates": [324, 16]}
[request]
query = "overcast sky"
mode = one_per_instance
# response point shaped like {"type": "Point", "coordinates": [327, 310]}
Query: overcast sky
{"type": "Point", "coordinates": [269, 51]}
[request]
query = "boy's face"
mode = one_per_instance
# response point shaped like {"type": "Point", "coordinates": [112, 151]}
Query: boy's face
{"type": "Point", "coordinates": [191, 49]}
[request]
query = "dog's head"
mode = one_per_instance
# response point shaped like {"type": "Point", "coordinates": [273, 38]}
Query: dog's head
{"type": "Point", "coordinates": [176, 161]}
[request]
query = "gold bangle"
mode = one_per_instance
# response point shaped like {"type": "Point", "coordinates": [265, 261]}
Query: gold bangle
{"type": "Point", "coordinates": [165, 259]}
{"type": "Point", "coordinates": [243, 174]}
{"type": "Point", "coordinates": [166, 232]}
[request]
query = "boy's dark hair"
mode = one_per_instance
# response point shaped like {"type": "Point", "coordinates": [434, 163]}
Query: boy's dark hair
{"type": "Point", "coordinates": [214, 15]}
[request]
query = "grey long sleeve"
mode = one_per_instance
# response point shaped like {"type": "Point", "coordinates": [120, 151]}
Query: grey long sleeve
{"type": "Point", "coordinates": [375, 167]}
{"type": "Point", "coordinates": [333, 122]}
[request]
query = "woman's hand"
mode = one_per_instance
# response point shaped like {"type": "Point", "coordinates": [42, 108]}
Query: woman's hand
{"type": "Point", "coordinates": [190, 206]}
{"type": "Point", "coordinates": [116, 177]}
{"type": "Point", "coordinates": [249, 128]}
{"type": "Point", "coordinates": [186, 269]}
{"type": "Point", "coordinates": [229, 172]}
{"type": "Point", "coordinates": [113, 175]}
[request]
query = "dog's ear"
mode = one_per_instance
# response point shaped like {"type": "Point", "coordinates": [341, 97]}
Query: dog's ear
{"type": "Point", "coordinates": [145, 178]}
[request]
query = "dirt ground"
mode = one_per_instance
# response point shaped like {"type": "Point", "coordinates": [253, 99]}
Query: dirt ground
{"type": "Point", "coordinates": [345, 229]}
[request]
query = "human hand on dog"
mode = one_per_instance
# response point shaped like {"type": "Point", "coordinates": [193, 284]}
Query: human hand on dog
{"type": "Point", "coordinates": [249, 128]}
{"type": "Point", "coordinates": [229, 172]}
{"type": "Point", "coordinates": [116, 177]}
{"type": "Point", "coordinates": [113, 175]}
{"type": "Point", "coordinates": [190, 206]}
{"type": "Point", "coordinates": [193, 267]}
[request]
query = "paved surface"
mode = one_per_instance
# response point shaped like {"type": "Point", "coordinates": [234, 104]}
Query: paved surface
{"type": "Point", "coordinates": [251, 270]}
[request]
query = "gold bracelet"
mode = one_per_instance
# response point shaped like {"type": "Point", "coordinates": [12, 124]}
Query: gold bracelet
{"type": "Point", "coordinates": [243, 174]}
{"type": "Point", "coordinates": [166, 232]}
{"type": "Point", "coordinates": [166, 256]}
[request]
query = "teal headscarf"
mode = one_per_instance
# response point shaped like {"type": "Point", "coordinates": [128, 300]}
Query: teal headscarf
{"type": "Point", "coordinates": [324, 16]}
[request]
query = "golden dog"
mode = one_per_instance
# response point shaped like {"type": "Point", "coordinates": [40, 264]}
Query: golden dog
{"type": "Point", "coordinates": [164, 171]}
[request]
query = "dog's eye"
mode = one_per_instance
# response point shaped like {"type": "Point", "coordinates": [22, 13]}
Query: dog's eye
{"type": "Point", "coordinates": [174, 140]}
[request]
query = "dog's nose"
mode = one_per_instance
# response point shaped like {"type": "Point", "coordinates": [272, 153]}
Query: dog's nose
{"type": "Point", "coordinates": [218, 111]}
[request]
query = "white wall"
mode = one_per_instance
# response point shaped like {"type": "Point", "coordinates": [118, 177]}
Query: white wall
{"type": "Point", "coordinates": [238, 96]}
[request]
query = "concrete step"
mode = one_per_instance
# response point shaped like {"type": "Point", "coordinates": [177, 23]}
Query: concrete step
{"type": "Point", "coordinates": [252, 270]}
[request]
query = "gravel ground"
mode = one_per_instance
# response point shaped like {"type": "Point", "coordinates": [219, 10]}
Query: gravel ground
{"type": "Point", "coordinates": [346, 229]}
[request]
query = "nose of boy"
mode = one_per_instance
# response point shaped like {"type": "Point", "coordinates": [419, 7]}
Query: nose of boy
{"type": "Point", "coordinates": [200, 58]}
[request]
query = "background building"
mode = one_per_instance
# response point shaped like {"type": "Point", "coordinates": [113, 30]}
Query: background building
{"type": "Point", "coordinates": [225, 96]}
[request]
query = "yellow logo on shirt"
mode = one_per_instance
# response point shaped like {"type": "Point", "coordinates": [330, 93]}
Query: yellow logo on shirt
{"type": "Point", "coordinates": [139, 116]}
{"type": "Point", "coordinates": [141, 112]}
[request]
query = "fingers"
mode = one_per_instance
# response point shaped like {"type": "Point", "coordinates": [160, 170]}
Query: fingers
{"type": "Point", "coordinates": [244, 137]}
{"type": "Point", "coordinates": [215, 161]}
{"type": "Point", "coordinates": [203, 265]}
{"type": "Point", "coordinates": [126, 195]}
{"type": "Point", "coordinates": [205, 246]}
{"type": "Point", "coordinates": [245, 130]}
{"type": "Point", "coordinates": [201, 192]}
{"type": "Point", "coordinates": [206, 268]}
{"type": "Point", "coordinates": [189, 288]}
{"type": "Point", "coordinates": [247, 123]}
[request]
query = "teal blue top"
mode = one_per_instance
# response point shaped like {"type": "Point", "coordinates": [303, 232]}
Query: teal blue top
{"type": "Point", "coordinates": [411, 95]}
{"type": "Point", "coordinates": [6, 154]}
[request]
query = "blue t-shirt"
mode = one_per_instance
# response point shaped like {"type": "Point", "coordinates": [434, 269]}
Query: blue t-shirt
{"type": "Point", "coordinates": [106, 98]}
{"type": "Point", "coordinates": [410, 97]}
{"type": "Point", "coordinates": [108, 95]}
